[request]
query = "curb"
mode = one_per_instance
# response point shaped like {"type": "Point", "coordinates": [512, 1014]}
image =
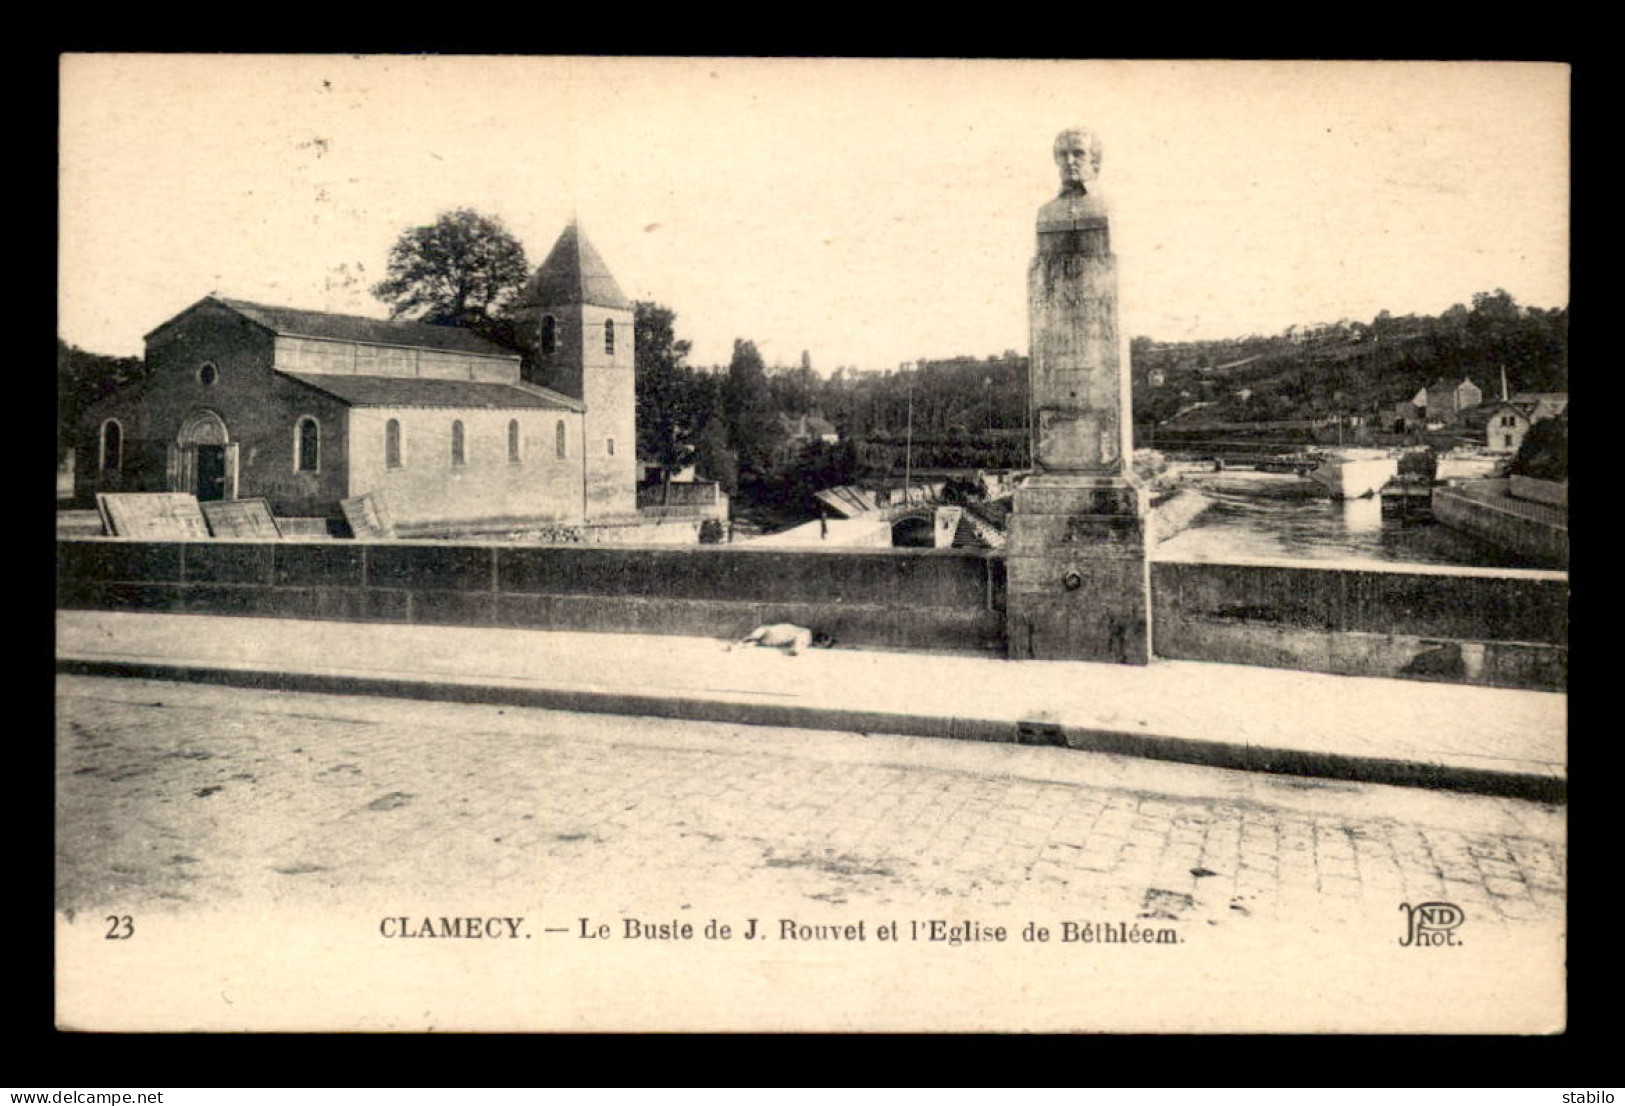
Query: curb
{"type": "Point", "coordinates": [1530, 786]}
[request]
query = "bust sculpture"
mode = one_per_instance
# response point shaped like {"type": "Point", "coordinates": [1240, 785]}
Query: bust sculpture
{"type": "Point", "coordinates": [1077, 154]}
{"type": "Point", "coordinates": [1079, 213]}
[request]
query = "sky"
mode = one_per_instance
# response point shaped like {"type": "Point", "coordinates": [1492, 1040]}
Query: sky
{"type": "Point", "coordinates": [870, 212]}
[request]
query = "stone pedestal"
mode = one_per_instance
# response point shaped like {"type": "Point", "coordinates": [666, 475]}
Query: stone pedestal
{"type": "Point", "coordinates": [1078, 576]}
{"type": "Point", "coordinates": [1079, 581]}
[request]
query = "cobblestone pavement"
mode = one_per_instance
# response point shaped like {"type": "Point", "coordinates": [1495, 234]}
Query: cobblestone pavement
{"type": "Point", "coordinates": [174, 797]}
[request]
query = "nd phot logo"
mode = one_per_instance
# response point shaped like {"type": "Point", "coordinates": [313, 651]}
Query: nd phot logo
{"type": "Point", "coordinates": [1431, 924]}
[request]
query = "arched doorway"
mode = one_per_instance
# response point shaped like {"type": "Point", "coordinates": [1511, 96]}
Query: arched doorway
{"type": "Point", "coordinates": [203, 459]}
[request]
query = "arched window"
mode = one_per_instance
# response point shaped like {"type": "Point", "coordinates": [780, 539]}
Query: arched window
{"type": "Point", "coordinates": [458, 457]}
{"type": "Point", "coordinates": [513, 441]}
{"type": "Point", "coordinates": [609, 336]}
{"type": "Point", "coordinates": [307, 446]}
{"type": "Point", "coordinates": [550, 334]}
{"type": "Point", "coordinates": [207, 373]}
{"type": "Point", "coordinates": [559, 441]}
{"type": "Point", "coordinates": [609, 446]}
{"type": "Point", "coordinates": [392, 444]}
{"type": "Point", "coordinates": [112, 452]}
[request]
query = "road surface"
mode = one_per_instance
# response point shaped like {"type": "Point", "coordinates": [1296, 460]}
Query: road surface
{"type": "Point", "coordinates": [176, 797]}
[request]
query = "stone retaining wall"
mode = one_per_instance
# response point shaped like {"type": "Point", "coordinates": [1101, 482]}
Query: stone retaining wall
{"type": "Point", "coordinates": [1484, 508]}
{"type": "Point", "coordinates": [1503, 628]}
{"type": "Point", "coordinates": [898, 598]}
{"type": "Point", "coordinates": [1495, 627]}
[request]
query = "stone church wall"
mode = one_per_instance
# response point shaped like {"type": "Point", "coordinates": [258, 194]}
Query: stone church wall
{"type": "Point", "coordinates": [259, 409]}
{"type": "Point", "coordinates": [428, 487]}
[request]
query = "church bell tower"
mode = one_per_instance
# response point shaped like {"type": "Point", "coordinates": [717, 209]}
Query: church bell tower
{"type": "Point", "coordinates": [579, 323]}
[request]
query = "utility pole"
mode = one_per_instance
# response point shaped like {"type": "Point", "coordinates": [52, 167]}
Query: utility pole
{"type": "Point", "coordinates": [908, 448]}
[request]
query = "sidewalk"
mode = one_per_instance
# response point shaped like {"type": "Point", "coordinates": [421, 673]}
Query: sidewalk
{"type": "Point", "coordinates": [1303, 723]}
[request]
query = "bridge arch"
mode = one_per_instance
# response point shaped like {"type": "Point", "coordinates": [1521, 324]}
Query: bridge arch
{"type": "Point", "coordinates": [914, 528]}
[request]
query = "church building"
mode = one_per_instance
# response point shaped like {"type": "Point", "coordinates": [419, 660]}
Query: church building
{"type": "Point", "coordinates": [307, 408]}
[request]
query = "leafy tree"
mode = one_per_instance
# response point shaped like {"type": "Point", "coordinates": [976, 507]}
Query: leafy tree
{"type": "Point", "coordinates": [83, 378]}
{"type": "Point", "coordinates": [1544, 453]}
{"type": "Point", "coordinates": [713, 460]}
{"type": "Point", "coordinates": [672, 403]}
{"type": "Point", "coordinates": [796, 391]}
{"type": "Point", "coordinates": [458, 271]}
{"type": "Point", "coordinates": [1492, 322]}
{"type": "Point", "coordinates": [747, 405]}
{"type": "Point", "coordinates": [815, 466]}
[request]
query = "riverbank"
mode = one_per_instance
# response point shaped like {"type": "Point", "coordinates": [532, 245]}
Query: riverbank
{"type": "Point", "coordinates": [1278, 516]}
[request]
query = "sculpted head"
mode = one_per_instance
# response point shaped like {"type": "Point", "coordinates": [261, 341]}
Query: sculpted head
{"type": "Point", "coordinates": [1077, 154]}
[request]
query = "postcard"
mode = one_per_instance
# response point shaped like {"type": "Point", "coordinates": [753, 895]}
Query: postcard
{"type": "Point", "coordinates": [811, 544]}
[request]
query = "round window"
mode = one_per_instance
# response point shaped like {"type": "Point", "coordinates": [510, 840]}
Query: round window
{"type": "Point", "coordinates": [208, 374]}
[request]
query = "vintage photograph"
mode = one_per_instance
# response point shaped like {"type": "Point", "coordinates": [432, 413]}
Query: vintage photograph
{"type": "Point", "coordinates": [811, 544]}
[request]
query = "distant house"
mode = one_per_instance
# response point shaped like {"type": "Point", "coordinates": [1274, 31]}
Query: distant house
{"type": "Point", "coordinates": [1505, 422]}
{"type": "Point", "coordinates": [1502, 422]}
{"type": "Point", "coordinates": [1545, 405]}
{"type": "Point", "coordinates": [1445, 401]}
{"type": "Point", "coordinates": [1407, 414]}
{"type": "Point", "coordinates": [801, 429]}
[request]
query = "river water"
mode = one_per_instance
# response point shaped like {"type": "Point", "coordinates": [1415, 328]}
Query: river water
{"type": "Point", "coordinates": [1281, 516]}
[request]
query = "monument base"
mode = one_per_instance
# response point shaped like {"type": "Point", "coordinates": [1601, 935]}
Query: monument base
{"type": "Point", "coordinates": [1078, 573]}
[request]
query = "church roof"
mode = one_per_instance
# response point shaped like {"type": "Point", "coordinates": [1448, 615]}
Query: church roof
{"type": "Point", "coordinates": [417, 391]}
{"type": "Point", "coordinates": [573, 274]}
{"type": "Point", "coordinates": [297, 323]}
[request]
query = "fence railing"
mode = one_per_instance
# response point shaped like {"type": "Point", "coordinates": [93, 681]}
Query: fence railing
{"type": "Point", "coordinates": [695, 494]}
{"type": "Point", "coordinates": [1496, 495]}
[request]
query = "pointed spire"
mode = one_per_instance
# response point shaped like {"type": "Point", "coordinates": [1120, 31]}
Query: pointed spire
{"type": "Point", "coordinates": [573, 274]}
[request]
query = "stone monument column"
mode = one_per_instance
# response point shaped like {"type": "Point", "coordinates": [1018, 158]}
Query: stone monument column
{"type": "Point", "coordinates": [1079, 583]}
